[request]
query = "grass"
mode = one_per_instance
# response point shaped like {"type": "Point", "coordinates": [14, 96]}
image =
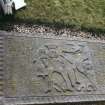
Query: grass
{"type": "Point", "coordinates": [81, 14]}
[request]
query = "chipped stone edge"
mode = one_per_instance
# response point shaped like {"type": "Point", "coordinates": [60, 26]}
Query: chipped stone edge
{"type": "Point", "coordinates": [49, 36]}
{"type": "Point", "coordinates": [1, 68]}
{"type": "Point", "coordinates": [47, 99]}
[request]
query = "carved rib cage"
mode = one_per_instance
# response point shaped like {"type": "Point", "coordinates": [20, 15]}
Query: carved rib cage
{"type": "Point", "coordinates": [1, 64]}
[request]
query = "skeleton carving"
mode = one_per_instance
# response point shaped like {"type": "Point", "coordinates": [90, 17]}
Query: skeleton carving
{"type": "Point", "coordinates": [65, 67]}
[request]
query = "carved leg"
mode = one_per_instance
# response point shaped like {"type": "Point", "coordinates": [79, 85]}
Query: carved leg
{"type": "Point", "coordinates": [68, 81]}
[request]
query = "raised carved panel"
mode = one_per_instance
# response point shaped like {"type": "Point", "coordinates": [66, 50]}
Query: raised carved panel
{"type": "Point", "coordinates": [66, 67]}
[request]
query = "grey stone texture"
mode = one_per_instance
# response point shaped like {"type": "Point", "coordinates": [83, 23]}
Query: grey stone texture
{"type": "Point", "coordinates": [41, 70]}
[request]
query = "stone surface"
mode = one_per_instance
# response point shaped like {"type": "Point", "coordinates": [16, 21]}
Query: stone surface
{"type": "Point", "coordinates": [43, 70]}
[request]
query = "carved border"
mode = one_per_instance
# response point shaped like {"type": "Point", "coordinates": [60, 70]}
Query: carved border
{"type": "Point", "coordinates": [55, 99]}
{"type": "Point", "coordinates": [41, 100]}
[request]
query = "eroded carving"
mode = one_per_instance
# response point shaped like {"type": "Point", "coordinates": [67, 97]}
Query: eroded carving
{"type": "Point", "coordinates": [65, 68]}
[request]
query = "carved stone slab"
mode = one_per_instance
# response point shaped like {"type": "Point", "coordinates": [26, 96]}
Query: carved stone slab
{"type": "Point", "coordinates": [41, 70]}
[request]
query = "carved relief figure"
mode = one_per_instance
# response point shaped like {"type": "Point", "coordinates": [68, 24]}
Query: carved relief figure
{"type": "Point", "coordinates": [65, 67]}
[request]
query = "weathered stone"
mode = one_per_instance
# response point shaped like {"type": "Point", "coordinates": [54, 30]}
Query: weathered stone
{"type": "Point", "coordinates": [41, 70]}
